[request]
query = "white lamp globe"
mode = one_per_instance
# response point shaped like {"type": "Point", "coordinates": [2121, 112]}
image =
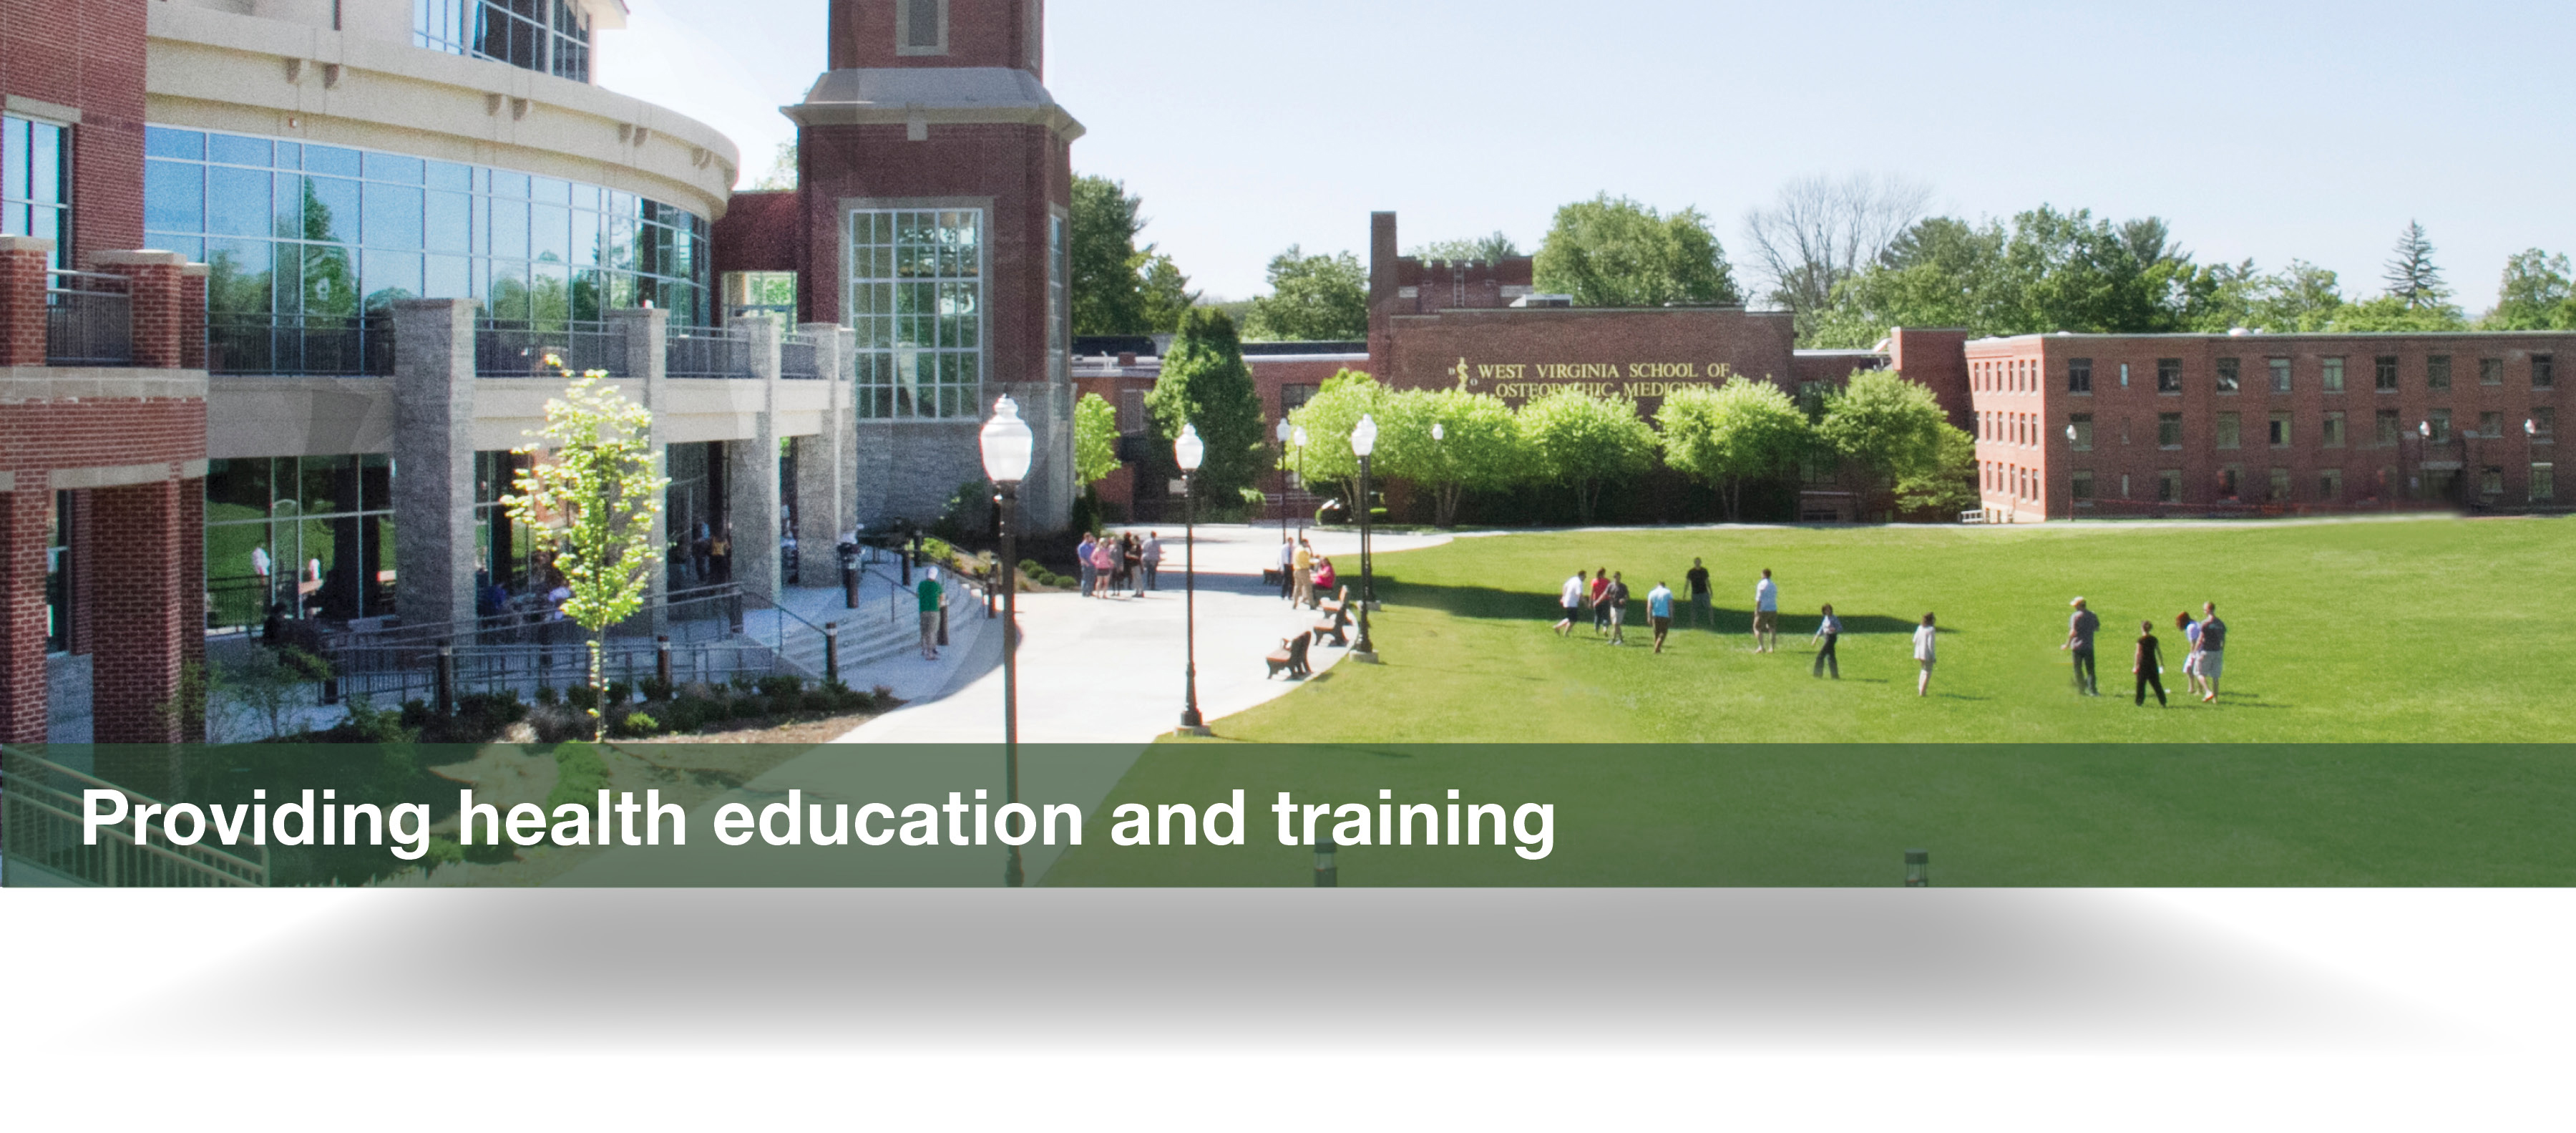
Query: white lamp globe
{"type": "Point", "coordinates": [1008, 444]}
{"type": "Point", "coordinates": [1364, 438]}
{"type": "Point", "coordinates": [1284, 431]}
{"type": "Point", "coordinates": [1188, 448]}
{"type": "Point", "coordinates": [2423, 428]}
{"type": "Point", "coordinates": [1300, 433]}
{"type": "Point", "coordinates": [1438, 433]}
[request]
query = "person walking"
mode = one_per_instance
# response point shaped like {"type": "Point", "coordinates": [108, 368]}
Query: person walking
{"type": "Point", "coordinates": [1923, 650]}
{"type": "Point", "coordinates": [1600, 602]}
{"type": "Point", "coordinates": [1829, 629]}
{"type": "Point", "coordinates": [1570, 598]}
{"type": "Point", "coordinates": [1131, 565]}
{"type": "Point", "coordinates": [1659, 612]}
{"type": "Point", "coordinates": [1617, 597]}
{"type": "Point", "coordinates": [1287, 561]}
{"type": "Point", "coordinates": [1104, 564]}
{"type": "Point", "coordinates": [2149, 666]}
{"type": "Point", "coordinates": [2213, 650]}
{"type": "Point", "coordinates": [2190, 631]}
{"type": "Point", "coordinates": [2080, 628]}
{"type": "Point", "coordinates": [1153, 557]}
{"type": "Point", "coordinates": [1696, 582]}
{"type": "Point", "coordinates": [1766, 614]}
{"type": "Point", "coordinates": [260, 565]}
{"type": "Point", "coordinates": [928, 594]}
{"type": "Point", "coordinates": [1301, 567]}
{"type": "Point", "coordinates": [1082, 560]}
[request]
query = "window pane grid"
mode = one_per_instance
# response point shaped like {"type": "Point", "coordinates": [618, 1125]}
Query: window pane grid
{"type": "Point", "coordinates": [916, 301]}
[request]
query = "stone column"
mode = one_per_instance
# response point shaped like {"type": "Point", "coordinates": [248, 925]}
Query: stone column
{"type": "Point", "coordinates": [644, 337]}
{"type": "Point", "coordinates": [153, 285]}
{"type": "Point", "coordinates": [434, 459]}
{"type": "Point", "coordinates": [751, 473]}
{"type": "Point", "coordinates": [22, 301]}
{"type": "Point", "coordinates": [135, 678]}
{"type": "Point", "coordinates": [26, 510]}
{"type": "Point", "coordinates": [818, 467]}
{"type": "Point", "coordinates": [845, 425]}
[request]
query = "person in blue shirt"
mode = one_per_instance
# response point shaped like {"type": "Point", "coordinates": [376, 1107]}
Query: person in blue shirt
{"type": "Point", "coordinates": [1659, 611]}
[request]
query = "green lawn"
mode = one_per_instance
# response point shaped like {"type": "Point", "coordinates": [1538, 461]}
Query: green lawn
{"type": "Point", "coordinates": [2394, 714]}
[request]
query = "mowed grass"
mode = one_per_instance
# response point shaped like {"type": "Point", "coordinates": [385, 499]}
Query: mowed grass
{"type": "Point", "coordinates": [2406, 631]}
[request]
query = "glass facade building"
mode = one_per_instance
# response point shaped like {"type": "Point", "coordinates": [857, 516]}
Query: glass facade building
{"type": "Point", "coordinates": [314, 533]}
{"type": "Point", "coordinates": [548, 36]}
{"type": "Point", "coordinates": [916, 299]}
{"type": "Point", "coordinates": [35, 182]}
{"type": "Point", "coordinates": [307, 242]}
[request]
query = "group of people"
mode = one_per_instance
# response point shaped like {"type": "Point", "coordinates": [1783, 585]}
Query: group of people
{"type": "Point", "coordinates": [1602, 598]}
{"type": "Point", "coordinates": [1304, 576]}
{"type": "Point", "coordinates": [2204, 659]}
{"type": "Point", "coordinates": [1114, 562]}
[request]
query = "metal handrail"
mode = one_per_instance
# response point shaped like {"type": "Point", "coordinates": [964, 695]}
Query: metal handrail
{"type": "Point", "coordinates": [707, 354]}
{"type": "Point", "coordinates": [513, 349]}
{"type": "Point", "coordinates": [89, 325]}
{"type": "Point", "coordinates": [40, 823]}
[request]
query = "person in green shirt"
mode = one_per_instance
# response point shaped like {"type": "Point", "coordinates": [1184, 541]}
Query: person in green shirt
{"type": "Point", "coordinates": [929, 592]}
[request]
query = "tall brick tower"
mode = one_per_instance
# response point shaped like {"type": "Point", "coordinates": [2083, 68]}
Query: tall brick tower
{"type": "Point", "coordinates": [936, 177]}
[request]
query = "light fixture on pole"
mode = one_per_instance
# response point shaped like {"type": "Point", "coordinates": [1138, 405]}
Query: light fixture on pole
{"type": "Point", "coordinates": [1190, 451]}
{"type": "Point", "coordinates": [1008, 446]}
{"type": "Point", "coordinates": [2530, 428]}
{"type": "Point", "coordinates": [1364, 443]}
{"type": "Point", "coordinates": [1283, 433]}
{"type": "Point", "coordinates": [1298, 434]}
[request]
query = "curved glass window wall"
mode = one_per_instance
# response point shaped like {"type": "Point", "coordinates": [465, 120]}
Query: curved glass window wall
{"type": "Point", "coordinates": [311, 244]}
{"type": "Point", "coordinates": [550, 36]}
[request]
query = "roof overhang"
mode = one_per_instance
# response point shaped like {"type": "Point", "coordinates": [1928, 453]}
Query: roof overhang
{"type": "Point", "coordinates": [932, 96]}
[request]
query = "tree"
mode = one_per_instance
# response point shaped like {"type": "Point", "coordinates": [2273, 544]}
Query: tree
{"type": "Point", "coordinates": [1095, 439]}
{"type": "Point", "coordinates": [1942, 272]}
{"type": "Point", "coordinates": [1119, 288]}
{"type": "Point", "coordinates": [1821, 231]}
{"type": "Point", "coordinates": [595, 491]}
{"type": "Point", "coordinates": [1946, 482]}
{"type": "Point", "coordinates": [1479, 448]}
{"type": "Point", "coordinates": [1483, 249]}
{"type": "Point", "coordinates": [2536, 294]}
{"type": "Point", "coordinates": [1328, 418]}
{"type": "Point", "coordinates": [2412, 278]}
{"type": "Point", "coordinates": [1726, 435]}
{"type": "Point", "coordinates": [1585, 442]}
{"type": "Point", "coordinates": [782, 173]}
{"type": "Point", "coordinates": [1312, 299]}
{"type": "Point", "coordinates": [1205, 383]}
{"type": "Point", "coordinates": [1896, 432]}
{"type": "Point", "coordinates": [1614, 252]}
{"type": "Point", "coordinates": [2388, 314]}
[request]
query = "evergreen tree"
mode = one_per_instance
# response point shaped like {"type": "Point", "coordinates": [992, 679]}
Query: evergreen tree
{"type": "Point", "coordinates": [2412, 278]}
{"type": "Point", "coordinates": [1206, 383]}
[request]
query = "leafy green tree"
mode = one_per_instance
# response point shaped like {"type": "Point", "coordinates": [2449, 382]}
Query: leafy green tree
{"type": "Point", "coordinates": [2412, 278]}
{"type": "Point", "coordinates": [1095, 439]}
{"type": "Point", "coordinates": [1946, 482]}
{"type": "Point", "coordinates": [1614, 252]}
{"type": "Point", "coordinates": [782, 171]}
{"type": "Point", "coordinates": [1119, 288]}
{"type": "Point", "coordinates": [1585, 442]}
{"type": "Point", "coordinates": [2388, 314]}
{"type": "Point", "coordinates": [1206, 383]}
{"type": "Point", "coordinates": [1483, 249]}
{"type": "Point", "coordinates": [1896, 432]}
{"type": "Point", "coordinates": [595, 492]}
{"type": "Point", "coordinates": [1328, 418]}
{"type": "Point", "coordinates": [2536, 294]}
{"type": "Point", "coordinates": [1942, 272]}
{"type": "Point", "coordinates": [1726, 435]}
{"type": "Point", "coordinates": [1479, 447]}
{"type": "Point", "coordinates": [1314, 298]}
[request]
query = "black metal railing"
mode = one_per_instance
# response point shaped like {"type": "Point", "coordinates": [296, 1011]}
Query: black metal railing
{"type": "Point", "coordinates": [505, 349]}
{"type": "Point", "coordinates": [324, 345]}
{"type": "Point", "coordinates": [89, 319]}
{"type": "Point", "coordinates": [708, 354]}
{"type": "Point", "coordinates": [800, 358]}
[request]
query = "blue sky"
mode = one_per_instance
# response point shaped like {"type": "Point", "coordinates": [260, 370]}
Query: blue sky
{"type": "Point", "coordinates": [2259, 130]}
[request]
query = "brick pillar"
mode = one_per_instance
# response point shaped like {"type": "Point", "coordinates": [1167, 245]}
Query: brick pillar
{"type": "Point", "coordinates": [434, 456]}
{"type": "Point", "coordinates": [22, 300]}
{"type": "Point", "coordinates": [135, 675]}
{"type": "Point", "coordinates": [24, 515]}
{"type": "Point", "coordinates": [153, 282]}
{"type": "Point", "coordinates": [192, 316]}
{"type": "Point", "coordinates": [751, 475]}
{"type": "Point", "coordinates": [191, 553]}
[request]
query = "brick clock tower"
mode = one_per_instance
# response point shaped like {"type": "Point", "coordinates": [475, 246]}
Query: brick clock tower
{"type": "Point", "coordinates": [935, 181]}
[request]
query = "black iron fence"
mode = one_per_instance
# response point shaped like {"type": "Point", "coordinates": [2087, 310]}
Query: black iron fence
{"type": "Point", "coordinates": [323, 345]}
{"type": "Point", "coordinates": [708, 354]}
{"type": "Point", "coordinates": [517, 350]}
{"type": "Point", "coordinates": [800, 358]}
{"type": "Point", "coordinates": [89, 319]}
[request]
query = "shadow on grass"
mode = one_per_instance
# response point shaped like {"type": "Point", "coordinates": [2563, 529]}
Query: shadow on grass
{"type": "Point", "coordinates": [1494, 604]}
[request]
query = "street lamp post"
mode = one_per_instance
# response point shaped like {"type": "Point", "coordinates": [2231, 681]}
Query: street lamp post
{"type": "Point", "coordinates": [2423, 456]}
{"type": "Point", "coordinates": [1008, 446]}
{"type": "Point", "coordinates": [1190, 451]}
{"type": "Point", "coordinates": [1363, 443]}
{"type": "Point", "coordinates": [1298, 434]}
{"type": "Point", "coordinates": [1283, 433]}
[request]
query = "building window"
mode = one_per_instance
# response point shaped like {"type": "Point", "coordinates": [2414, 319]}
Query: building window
{"type": "Point", "coordinates": [2490, 424]}
{"type": "Point", "coordinates": [2384, 373]}
{"type": "Point", "coordinates": [2280, 485]}
{"type": "Point", "coordinates": [324, 525]}
{"type": "Point", "coordinates": [2169, 486]}
{"type": "Point", "coordinates": [2330, 431]}
{"type": "Point", "coordinates": [36, 183]}
{"type": "Point", "coordinates": [2168, 430]}
{"type": "Point", "coordinates": [2437, 372]}
{"type": "Point", "coordinates": [2330, 485]}
{"type": "Point", "coordinates": [2080, 485]}
{"type": "Point", "coordinates": [2440, 420]}
{"type": "Point", "coordinates": [2280, 430]}
{"type": "Point", "coordinates": [2229, 476]}
{"type": "Point", "coordinates": [2543, 373]}
{"type": "Point", "coordinates": [923, 27]}
{"type": "Point", "coordinates": [916, 298]}
{"type": "Point", "coordinates": [1059, 334]}
{"type": "Point", "coordinates": [1131, 412]}
{"type": "Point", "coordinates": [2280, 374]}
{"type": "Point", "coordinates": [2082, 424]}
{"type": "Point", "coordinates": [547, 36]}
{"type": "Point", "coordinates": [2168, 375]}
{"type": "Point", "coordinates": [748, 293]}
{"type": "Point", "coordinates": [309, 245]}
{"type": "Point", "coordinates": [2544, 425]}
{"type": "Point", "coordinates": [2490, 371]}
{"type": "Point", "coordinates": [58, 575]}
{"type": "Point", "coordinates": [2544, 485]}
{"type": "Point", "coordinates": [2231, 430]}
{"type": "Point", "coordinates": [2332, 377]}
{"type": "Point", "coordinates": [2227, 374]}
{"type": "Point", "coordinates": [2491, 482]}
{"type": "Point", "coordinates": [2386, 432]}
{"type": "Point", "coordinates": [2079, 375]}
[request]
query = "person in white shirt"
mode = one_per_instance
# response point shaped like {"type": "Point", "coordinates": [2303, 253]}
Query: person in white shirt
{"type": "Point", "coordinates": [1571, 597]}
{"type": "Point", "coordinates": [1287, 560]}
{"type": "Point", "coordinates": [1828, 631]}
{"type": "Point", "coordinates": [1766, 614]}
{"type": "Point", "coordinates": [259, 567]}
{"type": "Point", "coordinates": [1923, 653]}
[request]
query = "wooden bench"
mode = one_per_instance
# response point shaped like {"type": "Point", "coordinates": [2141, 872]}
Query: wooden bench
{"type": "Point", "coordinates": [1290, 657]}
{"type": "Point", "coordinates": [1337, 619]}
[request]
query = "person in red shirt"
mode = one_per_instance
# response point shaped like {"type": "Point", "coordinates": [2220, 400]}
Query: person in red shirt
{"type": "Point", "coordinates": [1601, 609]}
{"type": "Point", "coordinates": [1324, 576]}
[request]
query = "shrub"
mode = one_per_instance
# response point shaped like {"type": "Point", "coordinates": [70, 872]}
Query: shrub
{"type": "Point", "coordinates": [656, 689]}
{"type": "Point", "coordinates": [580, 774]}
{"type": "Point", "coordinates": [639, 724]}
{"type": "Point", "coordinates": [619, 692]}
{"type": "Point", "coordinates": [748, 708]}
{"type": "Point", "coordinates": [582, 696]}
{"type": "Point", "coordinates": [684, 715]}
{"type": "Point", "coordinates": [818, 701]}
{"type": "Point", "coordinates": [546, 694]}
{"type": "Point", "coordinates": [782, 685]}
